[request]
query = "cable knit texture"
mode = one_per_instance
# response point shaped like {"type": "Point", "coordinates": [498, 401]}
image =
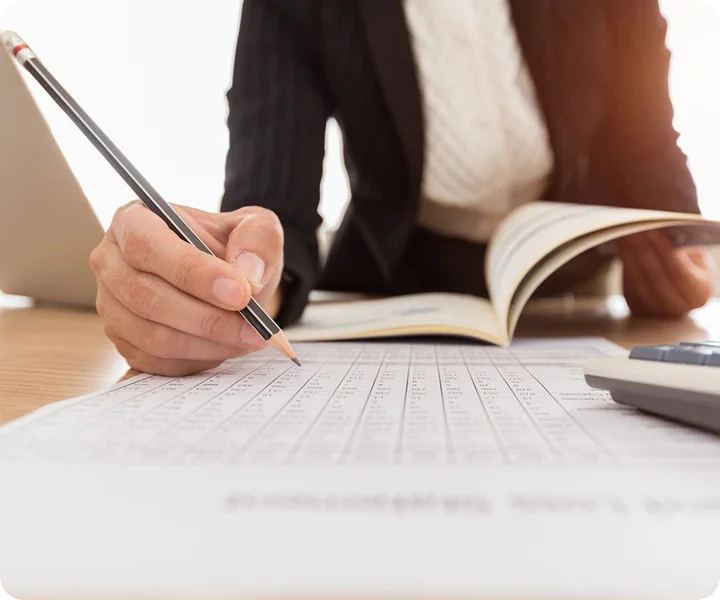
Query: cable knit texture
{"type": "Point", "coordinates": [486, 143]}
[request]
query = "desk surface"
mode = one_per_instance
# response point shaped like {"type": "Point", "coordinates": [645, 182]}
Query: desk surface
{"type": "Point", "coordinates": [49, 354]}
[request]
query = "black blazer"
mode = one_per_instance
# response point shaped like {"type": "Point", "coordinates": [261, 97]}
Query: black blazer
{"type": "Point", "coordinates": [600, 68]}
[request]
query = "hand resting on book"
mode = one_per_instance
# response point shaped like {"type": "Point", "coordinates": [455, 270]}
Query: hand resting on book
{"type": "Point", "coordinates": [661, 280]}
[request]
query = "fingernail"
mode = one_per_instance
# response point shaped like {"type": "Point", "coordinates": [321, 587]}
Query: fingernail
{"type": "Point", "coordinates": [250, 337]}
{"type": "Point", "coordinates": [228, 291]}
{"type": "Point", "coordinates": [250, 266]}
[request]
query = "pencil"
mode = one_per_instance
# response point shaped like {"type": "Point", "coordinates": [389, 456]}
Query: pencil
{"type": "Point", "coordinates": [253, 312]}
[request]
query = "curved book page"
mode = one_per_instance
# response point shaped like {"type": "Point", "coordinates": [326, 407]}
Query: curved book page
{"type": "Point", "coordinates": [544, 269]}
{"type": "Point", "coordinates": [537, 239]}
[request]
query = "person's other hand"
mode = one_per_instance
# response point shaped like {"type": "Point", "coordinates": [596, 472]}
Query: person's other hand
{"type": "Point", "coordinates": [661, 280]}
{"type": "Point", "coordinates": [170, 308]}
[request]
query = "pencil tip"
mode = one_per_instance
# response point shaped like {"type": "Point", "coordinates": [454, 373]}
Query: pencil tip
{"type": "Point", "coordinates": [280, 343]}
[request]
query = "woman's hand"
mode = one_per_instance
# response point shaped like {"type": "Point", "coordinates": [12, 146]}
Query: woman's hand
{"type": "Point", "coordinates": [171, 309]}
{"type": "Point", "coordinates": [661, 280]}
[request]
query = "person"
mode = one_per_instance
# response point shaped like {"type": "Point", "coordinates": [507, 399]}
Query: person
{"type": "Point", "coordinates": [452, 114]}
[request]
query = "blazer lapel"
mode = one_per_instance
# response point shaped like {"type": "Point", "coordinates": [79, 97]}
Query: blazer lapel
{"type": "Point", "coordinates": [391, 53]}
{"type": "Point", "coordinates": [533, 20]}
{"type": "Point", "coordinates": [389, 42]}
{"type": "Point", "coordinates": [564, 45]}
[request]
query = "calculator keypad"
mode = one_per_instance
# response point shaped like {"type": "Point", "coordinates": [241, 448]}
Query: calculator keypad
{"type": "Point", "coordinates": [686, 353]}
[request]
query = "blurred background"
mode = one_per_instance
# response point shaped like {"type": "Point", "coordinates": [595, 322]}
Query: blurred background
{"type": "Point", "coordinates": [153, 74]}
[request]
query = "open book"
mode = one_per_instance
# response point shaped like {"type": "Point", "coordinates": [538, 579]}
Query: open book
{"type": "Point", "coordinates": [530, 244]}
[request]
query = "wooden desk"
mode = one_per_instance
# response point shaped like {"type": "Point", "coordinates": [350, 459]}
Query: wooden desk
{"type": "Point", "coordinates": [50, 354]}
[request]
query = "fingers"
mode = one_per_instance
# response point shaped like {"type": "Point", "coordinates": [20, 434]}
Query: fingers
{"type": "Point", "coordinates": [692, 281]}
{"type": "Point", "coordinates": [147, 363]}
{"type": "Point", "coordinates": [152, 299]}
{"type": "Point", "coordinates": [157, 339]}
{"type": "Point", "coordinates": [660, 279]}
{"type": "Point", "coordinates": [148, 245]}
{"type": "Point", "coordinates": [674, 263]}
{"type": "Point", "coordinates": [646, 297]}
{"type": "Point", "coordinates": [171, 308]}
{"type": "Point", "coordinates": [646, 273]}
{"type": "Point", "coordinates": [699, 261]}
{"type": "Point", "coordinates": [701, 257]}
{"type": "Point", "coordinates": [255, 248]}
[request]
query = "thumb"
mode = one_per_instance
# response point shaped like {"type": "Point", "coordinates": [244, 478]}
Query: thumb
{"type": "Point", "coordinates": [255, 248]}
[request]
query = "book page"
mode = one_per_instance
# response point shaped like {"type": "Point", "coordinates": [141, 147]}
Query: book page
{"type": "Point", "coordinates": [552, 262]}
{"type": "Point", "coordinates": [374, 470]}
{"type": "Point", "coordinates": [534, 232]}
{"type": "Point", "coordinates": [410, 315]}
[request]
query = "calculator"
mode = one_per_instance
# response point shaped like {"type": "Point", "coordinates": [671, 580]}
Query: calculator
{"type": "Point", "coordinates": [679, 382]}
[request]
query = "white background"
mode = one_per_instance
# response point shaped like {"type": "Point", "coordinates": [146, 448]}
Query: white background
{"type": "Point", "coordinates": [154, 73]}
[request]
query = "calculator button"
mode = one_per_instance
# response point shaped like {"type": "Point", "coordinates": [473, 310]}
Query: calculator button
{"type": "Point", "coordinates": [657, 353]}
{"type": "Point", "coordinates": [712, 345]}
{"type": "Point", "coordinates": [688, 355]}
{"type": "Point", "coordinates": [714, 359]}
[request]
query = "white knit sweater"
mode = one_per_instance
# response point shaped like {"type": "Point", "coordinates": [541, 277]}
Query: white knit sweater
{"type": "Point", "coordinates": [486, 143]}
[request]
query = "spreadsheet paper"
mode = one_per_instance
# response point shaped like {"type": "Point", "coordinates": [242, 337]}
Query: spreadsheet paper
{"type": "Point", "coordinates": [374, 470]}
{"type": "Point", "coordinates": [367, 404]}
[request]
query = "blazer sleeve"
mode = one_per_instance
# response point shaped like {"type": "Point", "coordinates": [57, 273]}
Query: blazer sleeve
{"type": "Point", "coordinates": [277, 118]}
{"type": "Point", "coordinates": [637, 138]}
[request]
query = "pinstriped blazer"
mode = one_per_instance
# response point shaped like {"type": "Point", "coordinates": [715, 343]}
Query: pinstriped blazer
{"type": "Point", "coordinates": [600, 68]}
